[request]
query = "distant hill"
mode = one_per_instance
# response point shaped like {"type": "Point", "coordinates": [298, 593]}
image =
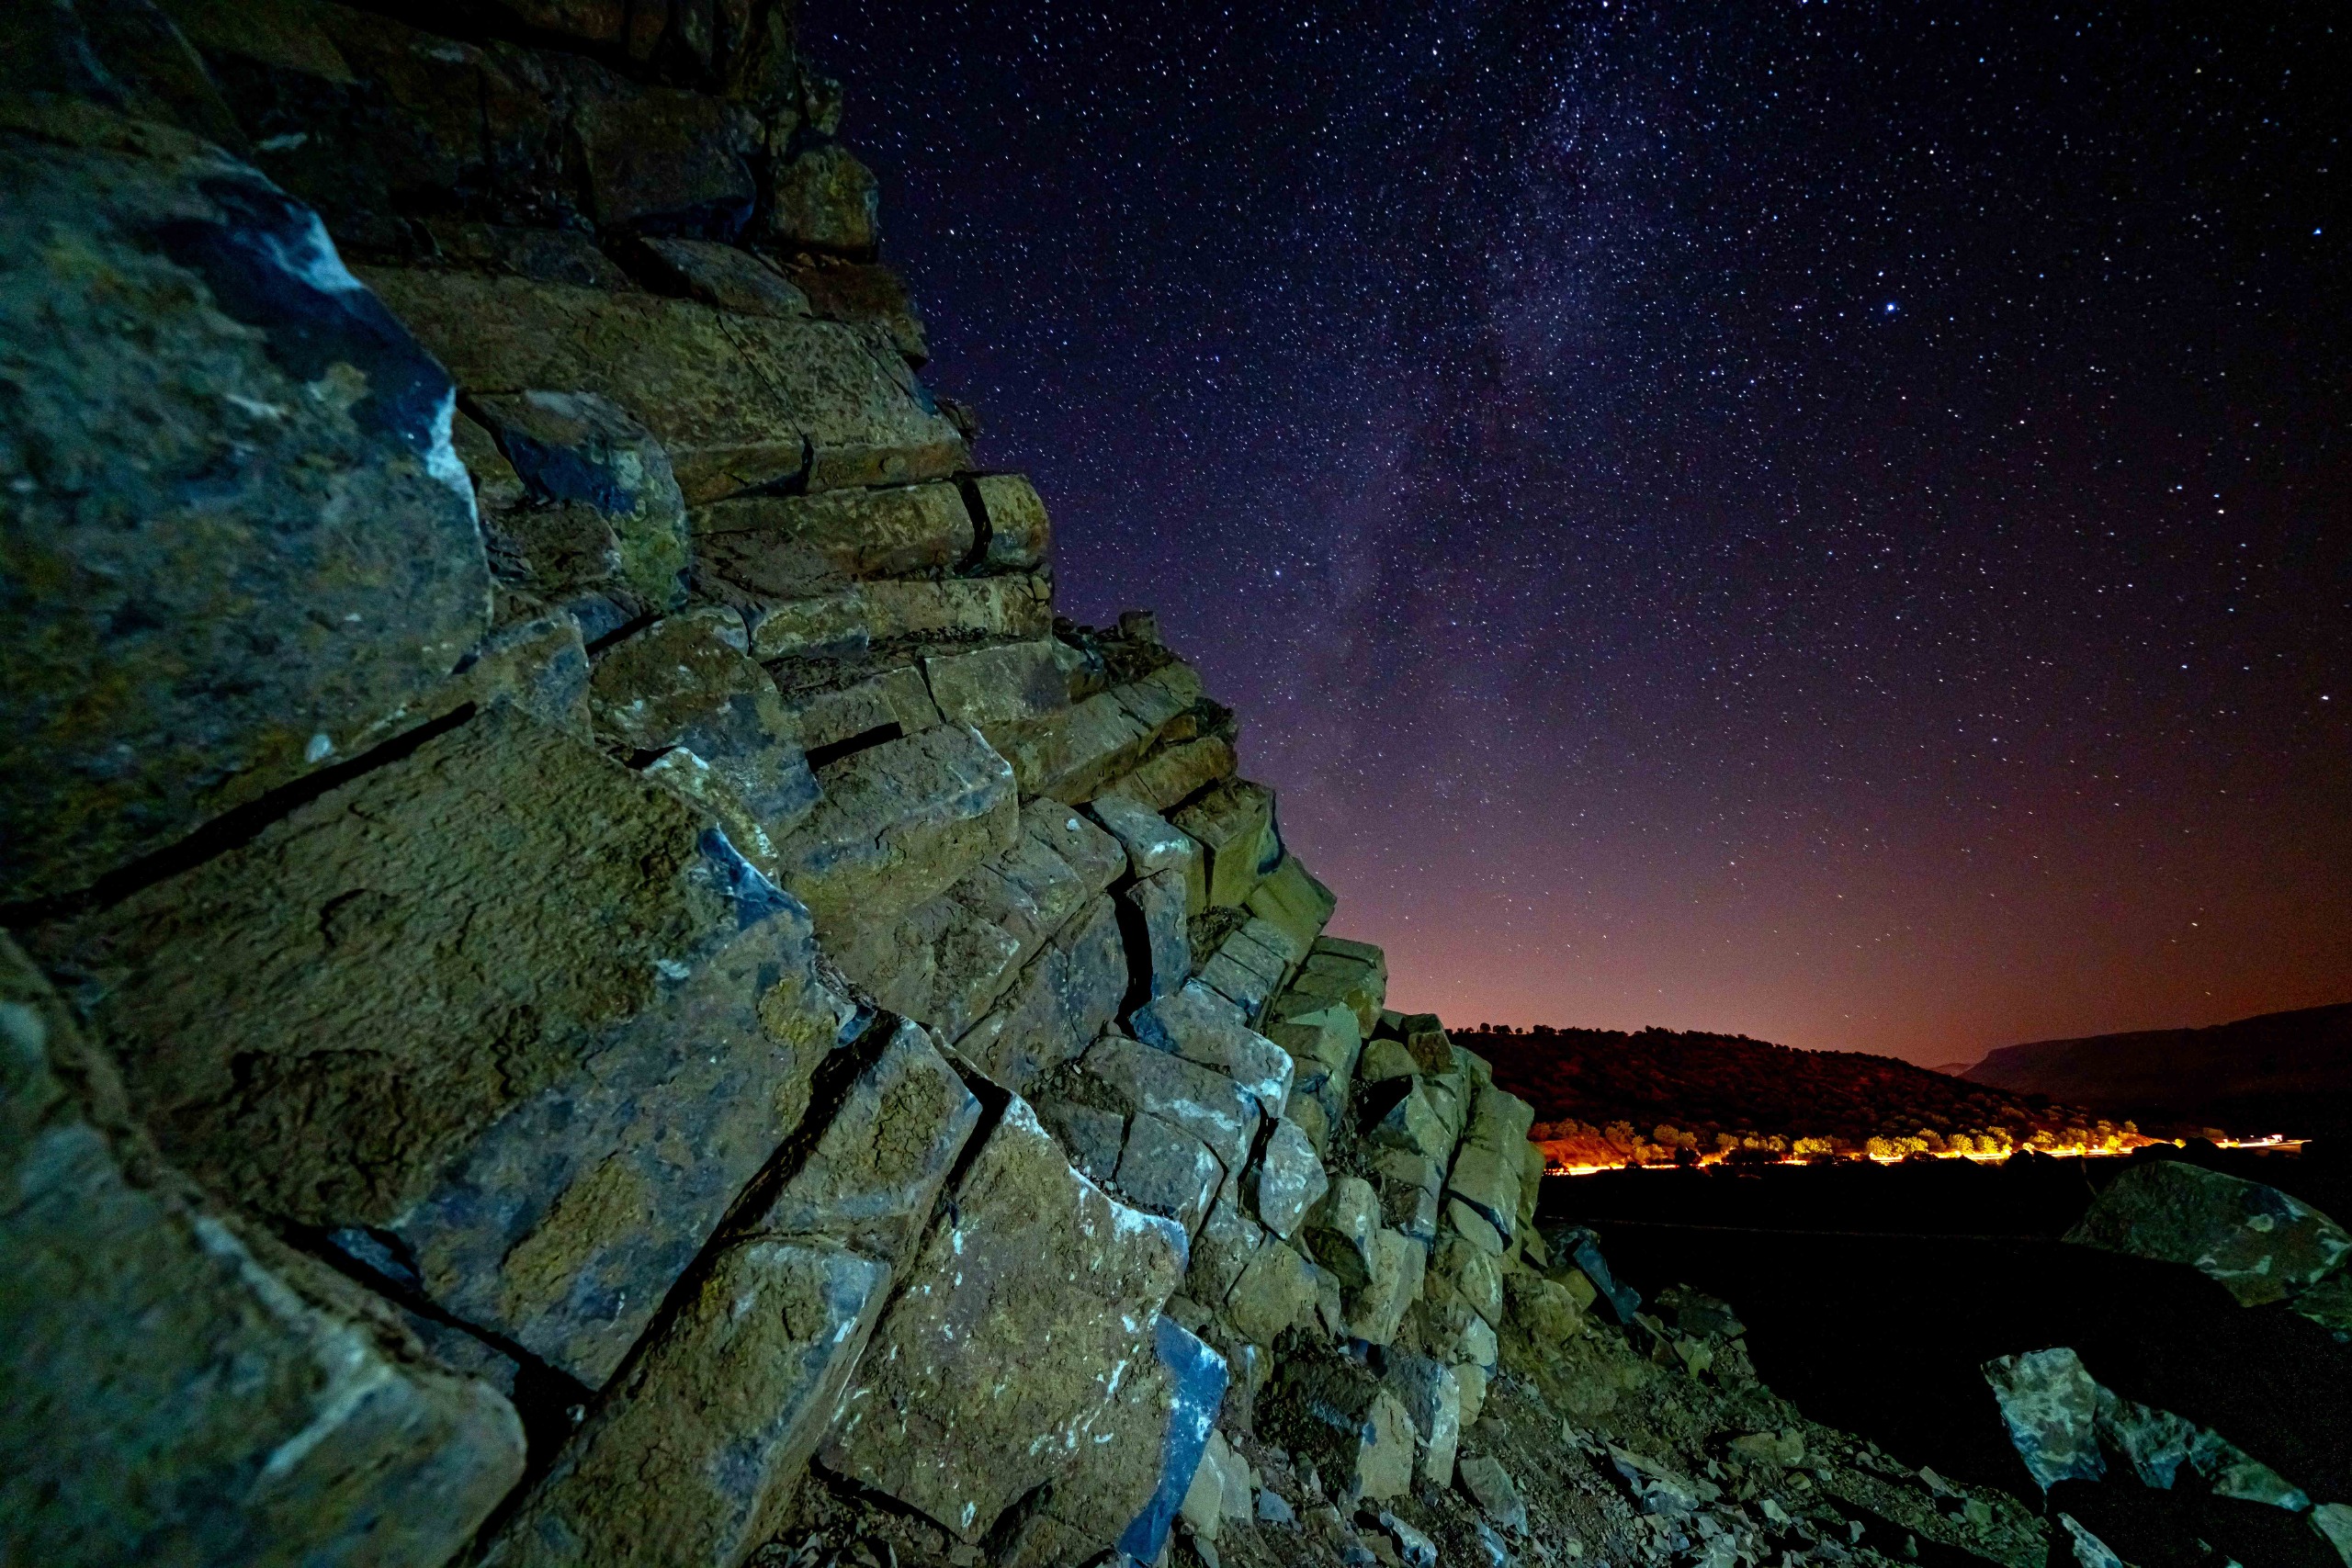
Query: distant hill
{"type": "Point", "coordinates": [1616, 1096]}
{"type": "Point", "coordinates": [2287, 1072]}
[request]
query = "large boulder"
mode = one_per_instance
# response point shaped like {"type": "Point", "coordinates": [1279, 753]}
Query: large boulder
{"type": "Point", "coordinates": [237, 534]}
{"type": "Point", "coordinates": [180, 1388]}
{"type": "Point", "coordinates": [690, 1457]}
{"type": "Point", "coordinates": [1003, 1353]}
{"type": "Point", "coordinates": [508, 1021]}
{"type": "Point", "coordinates": [2256, 1242]}
{"type": "Point", "coordinates": [1339, 1416]}
{"type": "Point", "coordinates": [1153, 846]}
{"type": "Point", "coordinates": [739, 400]}
{"type": "Point", "coordinates": [1177, 769]}
{"type": "Point", "coordinates": [1156, 911]}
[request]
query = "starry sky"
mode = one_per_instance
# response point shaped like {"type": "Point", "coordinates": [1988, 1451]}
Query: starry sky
{"type": "Point", "coordinates": [1832, 521]}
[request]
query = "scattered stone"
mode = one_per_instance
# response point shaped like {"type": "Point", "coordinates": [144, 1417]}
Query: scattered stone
{"type": "Point", "coordinates": [330, 1438]}
{"type": "Point", "coordinates": [1407, 1121]}
{"type": "Point", "coordinates": [1425, 1037]}
{"type": "Point", "coordinates": [872, 1177]}
{"type": "Point", "coordinates": [1340, 1230]}
{"type": "Point", "coordinates": [1384, 1059]}
{"type": "Point", "coordinates": [797, 546]}
{"type": "Point", "coordinates": [989, 688]}
{"type": "Point", "coordinates": [1273, 1508]}
{"type": "Point", "coordinates": [549, 1114]}
{"type": "Point", "coordinates": [665, 158]}
{"type": "Point", "coordinates": [2089, 1551]}
{"type": "Point", "coordinates": [1471, 1378]}
{"type": "Point", "coordinates": [1357, 1434]}
{"type": "Point", "coordinates": [1471, 1271]}
{"type": "Point", "coordinates": [2049, 1403]}
{"type": "Point", "coordinates": [1487, 1180]}
{"type": "Point", "coordinates": [1290, 1179]}
{"type": "Point", "coordinates": [864, 294]}
{"type": "Point", "coordinates": [1416, 1550]}
{"type": "Point", "coordinates": [1473, 1227]}
{"type": "Point", "coordinates": [1004, 1350]}
{"type": "Point", "coordinates": [1276, 1292]}
{"type": "Point", "coordinates": [1174, 772]}
{"type": "Point", "coordinates": [1228, 1241]}
{"type": "Point", "coordinates": [899, 823]}
{"type": "Point", "coordinates": [1201, 1026]}
{"type": "Point", "coordinates": [2333, 1522]}
{"type": "Point", "coordinates": [686, 682]}
{"type": "Point", "coordinates": [243, 571]}
{"type": "Point", "coordinates": [1292, 901]}
{"type": "Point", "coordinates": [1163, 1168]}
{"type": "Point", "coordinates": [2256, 1242]}
{"type": "Point", "coordinates": [1583, 1249]}
{"type": "Point", "coordinates": [1198, 1377]}
{"type": "Point", "coordinates": [1785, 1448]}
{"type": "Point", "coordinates": [1072, 754]}
{"type": "Point", "coordinates": [1490, 1485]}
{"type": "Point", "coordinates": [896, 698]}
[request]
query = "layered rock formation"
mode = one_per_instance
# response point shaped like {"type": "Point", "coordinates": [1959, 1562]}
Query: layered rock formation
{"type": "Point", "coordinates": [593, 977]}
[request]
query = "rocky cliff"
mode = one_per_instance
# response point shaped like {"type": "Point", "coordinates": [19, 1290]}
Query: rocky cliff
{"type": "Point", "coordinates": [593, 977]}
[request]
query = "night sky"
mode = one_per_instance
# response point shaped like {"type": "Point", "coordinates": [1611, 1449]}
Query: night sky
{"type": "Point", "coordinates": [1824, 521]}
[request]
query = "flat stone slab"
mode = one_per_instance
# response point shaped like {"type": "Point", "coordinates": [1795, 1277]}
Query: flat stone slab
{"type": "Point", "coordinates": [692, 1456]}
{"type": "Point", "coordinates": [899, 823]}
{"type": "Point", "coordinates": [950, 958]}
{"type": "Point", "coordinates": [739, 400]}
{"type": "Point", "coordinates": [1061, 1001]}
{"type": "Point", "coordinates": [889, 610]}
{"type": "Point", "coordinates": [1202, 1026]}
{"type": "Point", "coordinates": [1203, 1102]}
{"type": "Point", "coordinates": [180, 1388]}
{"type": "Point", "coordinates": [528, 1096]}
{"type": "Point", "coordinates": [790, 547]}
{"type": "Point", "coordinates": [1003, 1353]}
{"type": "Point", "coordinates": [238, 575]}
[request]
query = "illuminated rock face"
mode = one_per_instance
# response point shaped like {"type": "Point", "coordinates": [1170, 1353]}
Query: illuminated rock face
{"type": "Point", "coordinates": [545, 773]}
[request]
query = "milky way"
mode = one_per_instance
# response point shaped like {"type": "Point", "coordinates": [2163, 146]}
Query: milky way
{"type": "Point", "coordinates": [1819, 521]}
